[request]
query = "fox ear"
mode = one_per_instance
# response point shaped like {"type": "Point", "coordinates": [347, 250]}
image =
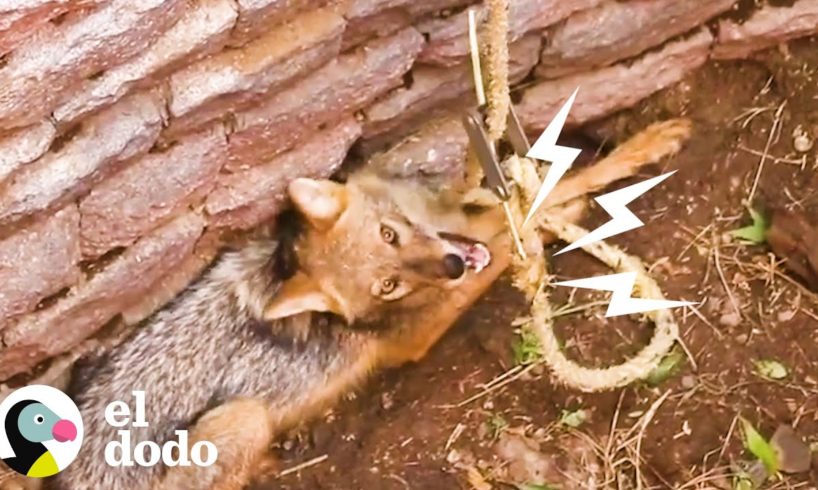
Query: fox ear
{"type": "Point", "coordinates": [320, 201]}
{"type": "Point", "coordinates": [300, 294]}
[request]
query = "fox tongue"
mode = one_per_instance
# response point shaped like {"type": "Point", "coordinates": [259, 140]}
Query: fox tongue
{"type": "Point", "coordinates": [477, 256]}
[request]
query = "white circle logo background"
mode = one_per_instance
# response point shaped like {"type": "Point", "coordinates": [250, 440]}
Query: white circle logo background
{"type": "Point", "coordinates": [64, 452]}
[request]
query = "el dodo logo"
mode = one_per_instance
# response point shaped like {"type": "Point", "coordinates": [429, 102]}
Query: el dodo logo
{"type": "Point", "coordinates": [41, 431]}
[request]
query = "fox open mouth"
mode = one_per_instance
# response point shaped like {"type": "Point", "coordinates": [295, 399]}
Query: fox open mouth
{"type": "Point", "coordinates": [475, 255]}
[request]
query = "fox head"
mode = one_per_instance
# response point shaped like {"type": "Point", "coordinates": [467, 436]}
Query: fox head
{"type": "Point", "coordinates": [372, 247]}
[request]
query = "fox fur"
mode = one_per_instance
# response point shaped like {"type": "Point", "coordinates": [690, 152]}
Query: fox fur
{"type": "Point", "coordinates": [274, 332]}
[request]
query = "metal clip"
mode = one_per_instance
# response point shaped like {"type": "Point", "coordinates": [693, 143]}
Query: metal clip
{"type": "Point", "coordinates": [474, 122]}
{"type": "Point", "coordinates": [515, 134]}
{"type": "Point", "coordinates": [486, 155]}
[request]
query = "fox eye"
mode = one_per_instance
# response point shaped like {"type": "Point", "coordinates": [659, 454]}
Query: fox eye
{"type": "Point", "coordinates": [39, 419]}
{"type": "Point", "coordinates": [388, 285]}
{"type": "Point", "coordinates": [389, 235]}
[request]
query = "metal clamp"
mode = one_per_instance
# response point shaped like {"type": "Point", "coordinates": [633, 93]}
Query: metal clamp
{"type": "Point", "coordinates": [474, 122]}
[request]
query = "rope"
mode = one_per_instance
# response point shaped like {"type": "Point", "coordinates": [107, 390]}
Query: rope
{"type": "Point", "coordinates": [531, 275]}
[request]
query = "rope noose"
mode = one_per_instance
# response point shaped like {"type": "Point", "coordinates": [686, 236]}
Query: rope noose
{"type": "Point", "coordinates": [531, 275]}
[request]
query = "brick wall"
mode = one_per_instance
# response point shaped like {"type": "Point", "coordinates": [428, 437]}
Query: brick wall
{"type": "Point", "coordinates": [135, 133]}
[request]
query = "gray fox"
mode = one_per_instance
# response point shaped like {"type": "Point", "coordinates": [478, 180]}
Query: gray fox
{"type": "Point", "coordinates": [276, 331]}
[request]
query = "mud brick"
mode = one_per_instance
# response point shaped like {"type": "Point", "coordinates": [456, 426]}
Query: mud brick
{"type": "Point", "coordinates": [113, 136]}
{"type": "Point", "coordinates": [439, 147]}
{"type": "Point", "coordinates": [610, 89]}
{"type": "Point", "coordinates": [38, 261]}
{"type": "Point", "coordinates": [203, 28]}
{"type": "Point", "coordinates": [448, 38]}
{"type": "Point", "coordinates": [19, 21]}
{"type": "Point", "coordinates": [618, 30]}
{"type": "Point", "coordinates": [41, 73]}
{"type": "Point", "coordinates": [256, 16]}
{"type": "Point", "coordinates": [229, 80]}
{"type": "Point", "coordinates": [89, 306]}
{"type": "Point", "coordinates": [175, 281]}
{"type": "Point", "coordinates": [358, 9]}
{"type": "Point", "coordinates": [422, 7]}
{"type": "Point", "coordinates": [23, 146]}
{"type": "Point", "coordinates": [431, 86]}
{"type": "Point", "coordinates": [150, 191]}
{"type": "Point", "coordinates": [345, 85]}
{"type": "Point", "coordinates": [379, 24]}
{"type": "Point", "coordinates": [364, 8]}
{"type": "Point", "coordinates": [246, 199]}
{"type": "Point", "coordinates": [767, 27]}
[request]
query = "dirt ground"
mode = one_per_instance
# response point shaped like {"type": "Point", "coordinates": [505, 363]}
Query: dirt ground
{"type": "Point", "coordinates": [410, 429]}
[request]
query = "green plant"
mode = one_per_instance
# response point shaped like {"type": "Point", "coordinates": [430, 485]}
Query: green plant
{"type": "Point", "coordinates": [526, 347]}
{"type": "Point", "coordinates": [755, 233]}
{"type": "Point", "coordinates": [760, 447]}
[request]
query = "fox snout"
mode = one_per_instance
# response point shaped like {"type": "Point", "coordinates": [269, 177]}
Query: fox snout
{"type": "Point", "coordinates": [454, 266]}
{"type": "Point", "coordinates": [465, 254]}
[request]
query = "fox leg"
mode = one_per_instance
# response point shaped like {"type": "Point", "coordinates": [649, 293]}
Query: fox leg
{"type": "Point", "coordinates": [657, 141]}
{"type": "Point", "coordinates": [242, 432]}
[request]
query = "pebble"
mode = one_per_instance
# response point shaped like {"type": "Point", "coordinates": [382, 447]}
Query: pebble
{"type": "Point", "coordinates": [387, 400]}
{"type": "Point", "coordinates": [731, 319]}
{"type": "Point", "coordinates": [801, 140]}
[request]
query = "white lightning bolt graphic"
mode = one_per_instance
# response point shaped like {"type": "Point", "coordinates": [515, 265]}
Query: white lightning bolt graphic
{"type": "Point", "coordinates": [621, 301]}
{"type": "Point", "coordinates": [616, 204]}
{"type": "Point", "coordinates": [561, 157]}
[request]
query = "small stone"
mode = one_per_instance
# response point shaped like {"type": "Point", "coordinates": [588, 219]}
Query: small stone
{"type": "Point", "coordinates": [688, 381]}
{"type": "Point", "coordinates": [387, 401]}
{"type": "Point", "coordinates": [732, 319]}
{"type": "Point", "coordinates": [785, 316]}
{"type": "Point", "coordinates": [794, 455]}
{"type": "Point", "coordinates": [801, 140]}
{"type": "Point", "coordinates": [453, 456]}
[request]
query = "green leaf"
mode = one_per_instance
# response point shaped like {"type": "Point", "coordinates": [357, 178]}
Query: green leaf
{"type": "Point", "coordinates": [760, 448]}
{"type": "Point", "coordinates": [496, 425]}
{"type": "Point", "coordinates": [573, 418]}
{"type": "Point", "coordinates": [743, 482]}
{"type": "Point", "coordinates": [668, 366]}
{"type": "Point", "coordinates": [754, 233]}
{"type": "Point", "coordinates": [771, 369]}
{"type": "Point", "coordinates": [527, 348]}
{"type": "Point", "coordinates": [535, 486]}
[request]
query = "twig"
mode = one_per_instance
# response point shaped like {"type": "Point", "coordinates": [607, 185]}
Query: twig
{"type": "Point", "coordinates": [773, 131]}
{"type": "Point", "coordinates": [645, 421]}
{"type": "Point", "coordinates": [305, 464]}
{"type": "Point", "coordinates": [497, 386]}
{"type": "Point", "coordinates": [704, 320]}
{"type": "Point", "coordinates": [723, 280]}
{"type": "Point", "coordinates": [458, 429]}
{"type": "Point", "coordinates": [477, 72]}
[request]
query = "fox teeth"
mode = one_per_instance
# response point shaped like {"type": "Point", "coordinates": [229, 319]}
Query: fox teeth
{"type": "Point", "coordinates": [478, 257]}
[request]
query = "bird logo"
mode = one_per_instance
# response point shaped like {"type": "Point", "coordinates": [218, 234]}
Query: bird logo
{"type": "Point", "coordinates": [41, 431]}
